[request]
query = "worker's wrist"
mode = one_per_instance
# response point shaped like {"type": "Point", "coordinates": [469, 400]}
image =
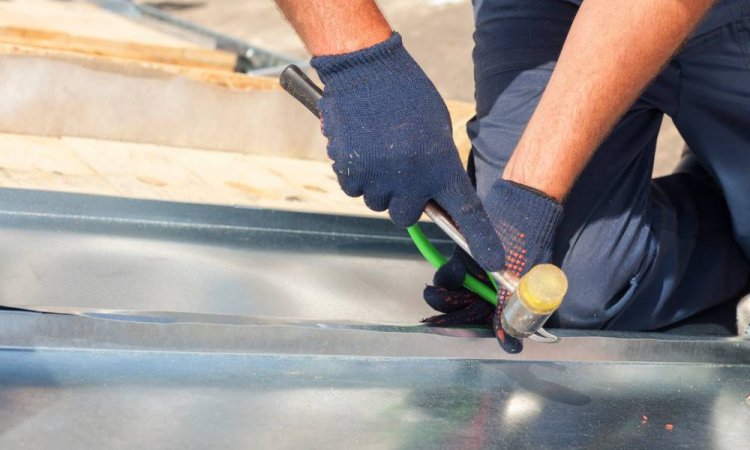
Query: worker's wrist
{"type": "Point", "coordinates": [546, 165]}
{"type": "Point", "coordinates": [365, 67]}
{"type": "Point", "coordinates": [519, 173]}
{"type": "Point", "coordinates": [325, 45]}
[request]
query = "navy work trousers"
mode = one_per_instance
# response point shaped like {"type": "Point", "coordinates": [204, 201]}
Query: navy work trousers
{"type": "Point", "coordinates": [639, 253]}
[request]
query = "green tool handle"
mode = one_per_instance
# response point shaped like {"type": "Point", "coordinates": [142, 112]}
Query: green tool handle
{"type": "Point", "coordinates": [302, 88]}
{"type": "Point", "coordinates": [437, 259]}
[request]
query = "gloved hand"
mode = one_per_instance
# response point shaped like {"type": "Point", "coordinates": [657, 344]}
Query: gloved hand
{"type": "Point", "coordinates": [390, 139]}
{"type": "Point", "coordinates": [526, 221]}
{"type": "Point", "coordinates": [448, 296]}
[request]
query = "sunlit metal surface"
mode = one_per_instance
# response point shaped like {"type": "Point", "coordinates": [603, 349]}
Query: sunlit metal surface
{"type": "Point", "coordinates": [58, 397]}
{"type": "Point", "coordinates": [188, 326]}
{"type": "Point", "coordinates": [106, 253]}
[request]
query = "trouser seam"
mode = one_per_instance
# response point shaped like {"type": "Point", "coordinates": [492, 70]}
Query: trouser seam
{"type": "Point", "coordinates": [678, 102]}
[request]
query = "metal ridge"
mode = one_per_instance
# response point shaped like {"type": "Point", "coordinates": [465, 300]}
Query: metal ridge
{"type": "Point", "coordinates": [32, 330]}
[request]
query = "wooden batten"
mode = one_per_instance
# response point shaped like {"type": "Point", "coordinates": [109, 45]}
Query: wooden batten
{"type": "Point", "coordinates": [118, 50]}
{"type": "Point", "coordinates": [61, 93]}
{"type": "Point", "coordinates": [126, 169]}
{"type": "Point", "coordinates": [93, 103]}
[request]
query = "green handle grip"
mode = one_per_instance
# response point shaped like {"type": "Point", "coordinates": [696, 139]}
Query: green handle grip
{"type": "Point", "coordinates": [437, 259]}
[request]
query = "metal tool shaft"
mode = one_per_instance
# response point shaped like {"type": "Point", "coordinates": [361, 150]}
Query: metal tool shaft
{"type": "Point", "coordinates": [301, 87]}
{"type": "Point", "coordinates": [444, 222]}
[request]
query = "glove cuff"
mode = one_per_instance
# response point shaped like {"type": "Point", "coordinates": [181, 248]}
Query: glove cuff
{"type": "Point", "coordinates": [528, 220]}
{"type": "Point", "coordinates": [364, 66]}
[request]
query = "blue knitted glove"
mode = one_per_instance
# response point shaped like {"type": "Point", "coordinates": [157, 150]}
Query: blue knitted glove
{"type": "Point", "coordinates": [390, 139]}
{"type": "Point", "coordinates": [526, 221]}
{"type": "Point", "coordinates": [448, 296]}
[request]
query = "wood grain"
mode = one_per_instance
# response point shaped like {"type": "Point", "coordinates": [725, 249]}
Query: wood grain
{"type": "Point", "coordinates": [156, 172]}
{"type": "Point", "coordinates": [82, 19]}
{"type": "Point", "coordinates": [222, 78]}
{"type": "Point", "coordinates": [107, 48]}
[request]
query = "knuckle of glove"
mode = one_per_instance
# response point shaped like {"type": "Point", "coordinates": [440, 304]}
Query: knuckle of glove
{"type": "Point", "coordinates": [476, 313]}
{"type": "Point", "coordinates": [405, 212]}
{"type": "Point", "coordinates": [402, 217]}
{"type": "Point", "coordinates": [348, 178]}
{"type": "Point", "coordinates": [444, 300]}
{"type": "Point", "coordinates": [375, 200]}
{"type": "Point", "coordinates": [451, 275]}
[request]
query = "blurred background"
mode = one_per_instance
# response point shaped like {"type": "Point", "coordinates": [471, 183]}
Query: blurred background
{"type": "Point", "coordinates": [438, 33]}
{"type": "Point", "coordinates": [178, 100]}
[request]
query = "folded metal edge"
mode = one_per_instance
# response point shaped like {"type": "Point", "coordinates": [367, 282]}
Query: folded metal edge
{"type": "Point", "coordinates": [30, 330]}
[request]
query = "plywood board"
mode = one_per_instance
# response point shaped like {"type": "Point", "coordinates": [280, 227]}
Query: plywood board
{"type": "Point", "coordinates": [176, 174]}
{"type": "Point", "coordinates": [82, 19]}
{"type": "Point", "coordinates": [108, 48]}
{"type": "Point", "coordinates": [52, 94]}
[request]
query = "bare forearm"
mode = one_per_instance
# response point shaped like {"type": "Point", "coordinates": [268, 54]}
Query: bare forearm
{"type": "Point", "coordinates": [331, 27]}
{"type": "Point", "coordinates": [614, 49]}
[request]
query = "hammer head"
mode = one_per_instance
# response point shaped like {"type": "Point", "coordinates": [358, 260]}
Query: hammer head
{"type": "Point", "coordinates": [539, 293]}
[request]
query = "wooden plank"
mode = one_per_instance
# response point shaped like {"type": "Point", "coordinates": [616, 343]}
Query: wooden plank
{"type": "Point", "coordinates": [222, 78]}
{"type": "Point", "coordinates": [82, 19]}
{"type": "Point", "coordinates": [176, 174]}
{"type": "Point", "coordinates": [49, 164]}
{"type": "Point", "coordinates": [107, 48]}
{"type": "Point", "coordinates": [91, 98]}
{"type": "Point", "coordinates": [48, 93]}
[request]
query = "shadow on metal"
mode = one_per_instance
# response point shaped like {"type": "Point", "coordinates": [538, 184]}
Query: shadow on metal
{"type": "Point", "coordinates": [137, 323]}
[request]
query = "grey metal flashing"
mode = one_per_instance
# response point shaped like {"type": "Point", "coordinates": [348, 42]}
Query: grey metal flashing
{"type": "Point", "coordinates": [271, 336]}
{"type": "Point", "coordinates": [83, 212]}
{"type": "Point", "coordinates": [125, 399]}
{"type": "Point", "coordinates": [103, 253]}
{"type": "Point", "coordinates": [148, 324]}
